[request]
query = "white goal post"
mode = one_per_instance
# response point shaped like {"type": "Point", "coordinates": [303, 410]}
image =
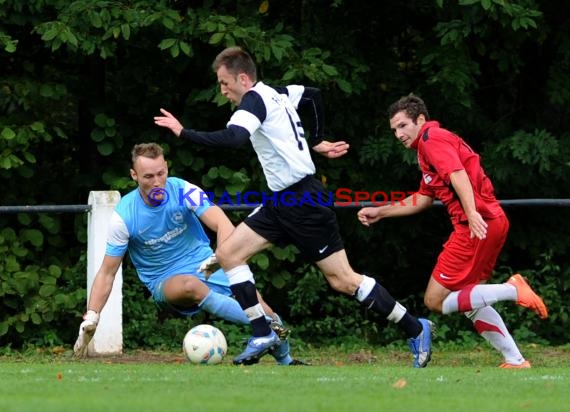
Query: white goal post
{"type": "Point", "coordinates": [108, 337]}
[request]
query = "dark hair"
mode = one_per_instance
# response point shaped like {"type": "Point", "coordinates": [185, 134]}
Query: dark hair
{"type": "Point", "coordinates": [150, 150]}
{"type": "Point", "coordinates": [236, 61]}
{"type": "Point", "coordinates": [412, 105]}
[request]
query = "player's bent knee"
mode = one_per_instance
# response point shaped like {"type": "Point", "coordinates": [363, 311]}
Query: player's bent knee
{"type": "Point", "coordinates": [341, 285]}
{"type": "Point", "coordinates": [224, 256]}
{"type": "Point", "coordinates": [194, 289]}
{"type": "Point", "coordinates": [434, 305]}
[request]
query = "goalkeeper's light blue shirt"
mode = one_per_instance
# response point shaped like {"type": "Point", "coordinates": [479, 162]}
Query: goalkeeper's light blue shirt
{"type": "Point", "coordinates": [164, 240]}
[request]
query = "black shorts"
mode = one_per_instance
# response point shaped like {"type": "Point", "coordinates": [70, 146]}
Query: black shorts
{"type": "Point", "coordinates": [301, 215]}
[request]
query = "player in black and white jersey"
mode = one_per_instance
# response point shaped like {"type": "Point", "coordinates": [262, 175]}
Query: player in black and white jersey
{"type": "Point", "coordinates": [267, 116]}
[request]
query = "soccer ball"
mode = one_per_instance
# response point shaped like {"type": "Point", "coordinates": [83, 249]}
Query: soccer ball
{"type": "Point", "coordinates": [205, 344]}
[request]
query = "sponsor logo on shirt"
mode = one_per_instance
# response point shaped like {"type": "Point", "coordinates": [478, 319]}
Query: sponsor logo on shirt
{"type": "Point", "coordinates": [171, 234]}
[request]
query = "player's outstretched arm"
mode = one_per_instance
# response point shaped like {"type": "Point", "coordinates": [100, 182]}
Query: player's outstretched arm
{"type": "Point", "coordinates": [332, 150]}
{"type": "Point", "coordinates": [169, 121]}
{"type": "Point", "coordinates": [413, 204]}
{"type": "Point", "coordinates": [217, 221]}
{"type": "Point", "coordinates": [100, 291]}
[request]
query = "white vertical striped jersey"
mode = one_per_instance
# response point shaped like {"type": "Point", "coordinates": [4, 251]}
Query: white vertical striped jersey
{"type": "Point", "coordinates": [276, 133]}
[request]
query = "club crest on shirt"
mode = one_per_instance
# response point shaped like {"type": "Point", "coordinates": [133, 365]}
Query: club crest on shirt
{"type": "Point", "coordinates": [427, 178]}
{"type": "Point", "coordinates": [177, 218]}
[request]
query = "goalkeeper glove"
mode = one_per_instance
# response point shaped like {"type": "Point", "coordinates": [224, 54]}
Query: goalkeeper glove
{"type": "Point", "coordinates": [86, 332]}
{"type": "Point", "coordinates": [209, 266]}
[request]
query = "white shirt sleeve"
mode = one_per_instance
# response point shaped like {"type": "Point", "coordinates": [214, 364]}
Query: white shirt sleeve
{"type": "Point", "coordinates": [117, 236]}
{"type": "Point", "coordinates": [295, 94]}
{"type": "Point", "coordinates": [196, 199]}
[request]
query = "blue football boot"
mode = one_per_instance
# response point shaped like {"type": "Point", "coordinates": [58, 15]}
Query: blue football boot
{"type": "Point", "coordinates": [421, 345]}
{"type": "Point", "coordinates": [282, 352]}
{"type": "Point", "coordinates": [256, 348]}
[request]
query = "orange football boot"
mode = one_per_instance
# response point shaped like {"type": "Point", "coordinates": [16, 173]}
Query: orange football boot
{"type": "Point", "coordinates": [526, 296]}
{"type": "Point", "coordinates": [524, 365]}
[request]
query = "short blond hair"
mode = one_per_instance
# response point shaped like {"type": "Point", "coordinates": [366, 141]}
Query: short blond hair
{"type": "Point", "coordinates": [149, 150]}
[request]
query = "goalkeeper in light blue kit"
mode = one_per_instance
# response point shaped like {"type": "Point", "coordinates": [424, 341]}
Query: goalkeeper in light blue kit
{"type": "Point", "coordinates": [158, 223]}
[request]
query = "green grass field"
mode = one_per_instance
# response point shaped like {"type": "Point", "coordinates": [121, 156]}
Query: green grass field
{"type": "Point", "coordinates": [338, 380]}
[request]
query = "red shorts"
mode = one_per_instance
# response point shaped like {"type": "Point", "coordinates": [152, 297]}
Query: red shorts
{"type": "Point", "coordinates": [465, 261]}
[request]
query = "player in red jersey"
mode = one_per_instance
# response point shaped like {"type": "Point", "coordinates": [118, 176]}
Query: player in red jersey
{"type": "Point", "coordinates": [452, 173]}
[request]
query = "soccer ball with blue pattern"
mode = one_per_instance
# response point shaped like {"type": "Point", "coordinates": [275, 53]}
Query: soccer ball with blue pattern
{"type": "Point", "coordinates": [205, 344]}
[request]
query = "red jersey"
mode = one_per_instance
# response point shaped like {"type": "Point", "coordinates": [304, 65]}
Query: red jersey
{"type": "Point", "coordinates": [441, 153]}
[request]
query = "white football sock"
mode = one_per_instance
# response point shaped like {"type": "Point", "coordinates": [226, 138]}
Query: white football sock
{"type": "Point", "coordinates": [479, 296]}
{"type": "Point", "coordinates": [489, 324]}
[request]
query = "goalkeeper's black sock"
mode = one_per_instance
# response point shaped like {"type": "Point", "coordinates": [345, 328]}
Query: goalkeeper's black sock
{"type": "Point", "coordinates": [246, 294]}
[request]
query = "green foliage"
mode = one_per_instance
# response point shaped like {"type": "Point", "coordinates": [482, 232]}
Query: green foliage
{"type": "Point", "coordinates": [225, 181]}
{"type": "Point", "coordinates": [35, 292]}
{"type": "Point", "coordinates": [468, 40]}
{"type": "Point", "coordinates": [7, 43]}
{"type": "Point", "coordinates": [537, 160]}
{"type": "Point", "coordinates": [105, 133]}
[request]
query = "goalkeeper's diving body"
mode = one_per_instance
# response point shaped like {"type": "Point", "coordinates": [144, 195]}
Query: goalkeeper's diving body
{"type": "Point", "coordinates": [160, 224]}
